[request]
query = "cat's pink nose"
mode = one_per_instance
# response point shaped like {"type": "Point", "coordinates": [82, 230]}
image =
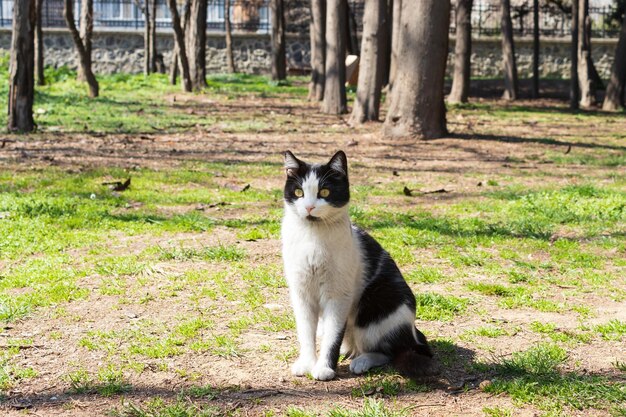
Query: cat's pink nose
{"type": "Point", "coordinates": [309, 209]}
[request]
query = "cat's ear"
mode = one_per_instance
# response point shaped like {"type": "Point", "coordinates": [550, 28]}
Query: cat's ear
{"type": "Point", "coordinates": [339, 163]}
{"type": "Point", "coordinates": [292, 164]}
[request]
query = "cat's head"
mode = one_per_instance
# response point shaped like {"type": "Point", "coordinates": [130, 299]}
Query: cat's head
{"type": "Point", "coordinates": [317, 191]}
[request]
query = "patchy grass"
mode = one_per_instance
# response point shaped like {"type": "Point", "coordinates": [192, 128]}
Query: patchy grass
{"type": "Point", "coordinates": [168, 299]}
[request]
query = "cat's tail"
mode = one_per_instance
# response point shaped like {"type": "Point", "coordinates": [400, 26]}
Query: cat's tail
{"type": "Point", "coordinates": [416, 360]}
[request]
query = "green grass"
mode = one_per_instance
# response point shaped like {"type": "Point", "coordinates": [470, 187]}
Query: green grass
{"type": "Point", "coordinates": [533, 376]}
{"type": "Point", "coordinates": [432, 306]}
{"type": "Point", "coordinates": [188, 265]}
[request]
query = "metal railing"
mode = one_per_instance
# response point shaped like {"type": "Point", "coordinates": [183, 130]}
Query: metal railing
{"type": "Point", "coordinates": [245, 15]}
{"type": "Point", "coordinates": [254, 16]}
{"type": "Point", "coordinates": [553, 22]}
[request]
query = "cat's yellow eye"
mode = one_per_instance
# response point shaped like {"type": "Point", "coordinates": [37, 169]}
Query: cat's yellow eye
{"type": "Point", "coordinates": [298, 192]}
{"type": "Point", "coordinates": [324, 192]}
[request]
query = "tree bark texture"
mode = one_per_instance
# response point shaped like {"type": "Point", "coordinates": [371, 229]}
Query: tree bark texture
{"type": "Point", "coordinates": [279, 59]}
{"type": "Point", "coordinates": [535, 87]}
{"type": "Point", "coordinates": [462, 53]}
{"type": "Point", "coordinates": [372, 61]}
{"type": "Point", "coordinates": [195, 39]}
{"type": "Point", "coordinates": [508, 52]}
{"type": "Point", "coordinates": [146, 38]}
{"type": "Point", "coordinates": [574, 90]}
{"type": "Point", "coordinates": [83, 57]}
{"type": "Point", "coordinates": [395, 40]}
{"type": "Point", "coordinates": [317, 29]}
{"type": "Point", "coordinates": [39, 54]}
{"type": "Point", "coordinates": [614, 98]}
{"type": "Point", "coordinates": [352, 39]}
{"type": "Point", "coordinates": [417, 108]}
{"type": "Point", "coordinates": [152, 44]}
{"type": "Point", "coordinates": [585, 81]}
{"type": "Point", "coordinates": [230, 58]}
{"type": "Point", "coordinates": [180, 55]}
{"type": "Point", "coordinates": [86, 31]}
{"type": "Point", "coordinates": [335, 70]}
{"type": "Point", "coordinates": [175, 59]}
{"type": "Point", "coordinates": [22, 68]}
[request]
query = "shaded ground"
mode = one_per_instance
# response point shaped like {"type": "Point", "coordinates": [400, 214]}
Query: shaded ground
{"type": "Point", "coordinates": [162, 325]}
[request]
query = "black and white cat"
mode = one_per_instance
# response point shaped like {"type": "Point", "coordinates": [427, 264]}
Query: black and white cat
{"type": "Point", "coordinates": [343, 285]}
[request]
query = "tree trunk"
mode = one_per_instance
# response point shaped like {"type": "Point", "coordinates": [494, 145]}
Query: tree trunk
{"type": "Point", "coordinates": [372, 60]}
{"type": "Point", "coordinates": [175, 58]}
{"type": "Point", "coordinates": [574, 91]}
{"type": "Point", "coordinates": [153, 47]}
{"type": "Point", "coordinates": [535, 89]}
{"type": "Point", "coordinates": [335, 72]}
{"type": "Point", "coordinates": [317, 29]}
{"type": "Point", "coordinates": [279, 60]}
{"type": "Point", "coordinates": [395, 40]}
{"type": "Point", "coordinates": [180, 54]}
{"type": "Point", "coordinates": [84, 58]}
{"type": "Point", "coordinates": [146, 38]}
{"type": "Point", "coordinates": [417, 108]}
{"type": "Point", "coordinates": [39, 58]}
{"type": "Point", "coordinates": [22, 68]}
{"type": "Point", "coordinates": [585, 81]}
{"type": "Point", "coordinates": [352, 40]}
{"type": "Point", "coordinates": [230, 59]}
{"type": "Point", "coordinates": [508, 52]}
{"type": "Point", "coordinates": [86, 32]}
{"type": "Point", "coordinates": [195, 38]}
{"type": "Point", "coordinates": [614, 98]}
{"type": "Point", "coordinates": [462, 53]}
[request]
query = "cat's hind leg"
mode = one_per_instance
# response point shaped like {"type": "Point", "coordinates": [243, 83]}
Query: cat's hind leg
{"type": "Point", "coordinates": [367, 361]}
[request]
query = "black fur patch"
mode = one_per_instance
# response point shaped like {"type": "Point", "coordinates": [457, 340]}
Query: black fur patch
{"type": "Point", "coordinates": [333, 356]}
{"type": "Point", "coordinates": [386, 288]}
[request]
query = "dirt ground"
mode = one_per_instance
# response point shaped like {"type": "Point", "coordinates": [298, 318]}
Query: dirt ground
{"type": "Point", "coordinates": [477, 149]}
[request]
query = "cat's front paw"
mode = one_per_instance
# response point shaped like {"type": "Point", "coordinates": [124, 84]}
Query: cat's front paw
{"type": "Point", "coordinates": [302, 366]}
{"type": "Point", "coordinates": [322, 373]}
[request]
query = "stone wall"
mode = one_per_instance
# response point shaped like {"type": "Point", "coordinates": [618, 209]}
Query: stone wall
{"type": "Point", "coordinates": [122, 51]}
{"type": "Point", "coordinates": [554, 57]}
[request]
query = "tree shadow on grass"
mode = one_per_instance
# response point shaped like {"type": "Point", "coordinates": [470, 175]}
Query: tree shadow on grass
{"type": "Point", "coordinates": [540, 141]}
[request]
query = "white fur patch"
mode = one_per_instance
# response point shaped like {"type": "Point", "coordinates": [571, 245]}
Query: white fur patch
{"type": "Point", "coordinates": [368, 338]}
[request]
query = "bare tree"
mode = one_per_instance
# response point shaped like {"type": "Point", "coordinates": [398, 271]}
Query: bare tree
{"type": "Point", "coordinates": [175, 56]}
{"type": "Point", "coordinates": [417, 108]}
{"type": "Point", "coordinates": [86, 31]}
{"type": "Point", "coordinates": [535, 89]}
{"type": "Point", "coordinates": [230, 58]}
{"type": "Point", "coordinates": [614, 98]}
{"type": "Point", "coordinates": [335, 72]}
{"type": "Point", "coordinates": [574, 91]}
{"type": "Point", "coordinates": [462, 53]}
{"type": "Point", "coordinates": [180, 53]}
{"type": "Point", "coordinates": [508, 52]}
{"type": "Point", "coordinates": [39, 59]}
{"type": "Point", "coordinates": [585, 64]}
{"type": "Point", "coordinates": [279, 59]}
{"type": "Point", "coordinates": [195, 39]}
{"type": "Point", "coordinates": [395, 40]}
{"type": "Point", "coordinates": [152, 38]}
{"type": "Point", "coordinates": [372, 61]}
{"type": "Point", "coordinates": [84, 58]}
{"type": "Point", "coordinates": [318, 49]}
{"type": "Point", "coordinates": [22, 71]}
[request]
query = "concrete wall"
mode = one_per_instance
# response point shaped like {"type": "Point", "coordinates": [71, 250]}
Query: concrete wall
{"type": "Point", "coordinates": [122, 51]}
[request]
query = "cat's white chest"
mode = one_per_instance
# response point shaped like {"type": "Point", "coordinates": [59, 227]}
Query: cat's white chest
{"type": "Point", "coordinates": [319, 259]}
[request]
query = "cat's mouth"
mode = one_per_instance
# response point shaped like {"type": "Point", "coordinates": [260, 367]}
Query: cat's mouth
{"type": "Point", "coordinates": [312, 218]}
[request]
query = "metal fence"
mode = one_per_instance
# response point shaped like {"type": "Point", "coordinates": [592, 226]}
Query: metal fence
{"type": "Point", "coordinates": [254, 16]}
{"type": "Point", "coordinates": [553, 21]}
{"type": "Point", "coordinates": [245, 15]}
